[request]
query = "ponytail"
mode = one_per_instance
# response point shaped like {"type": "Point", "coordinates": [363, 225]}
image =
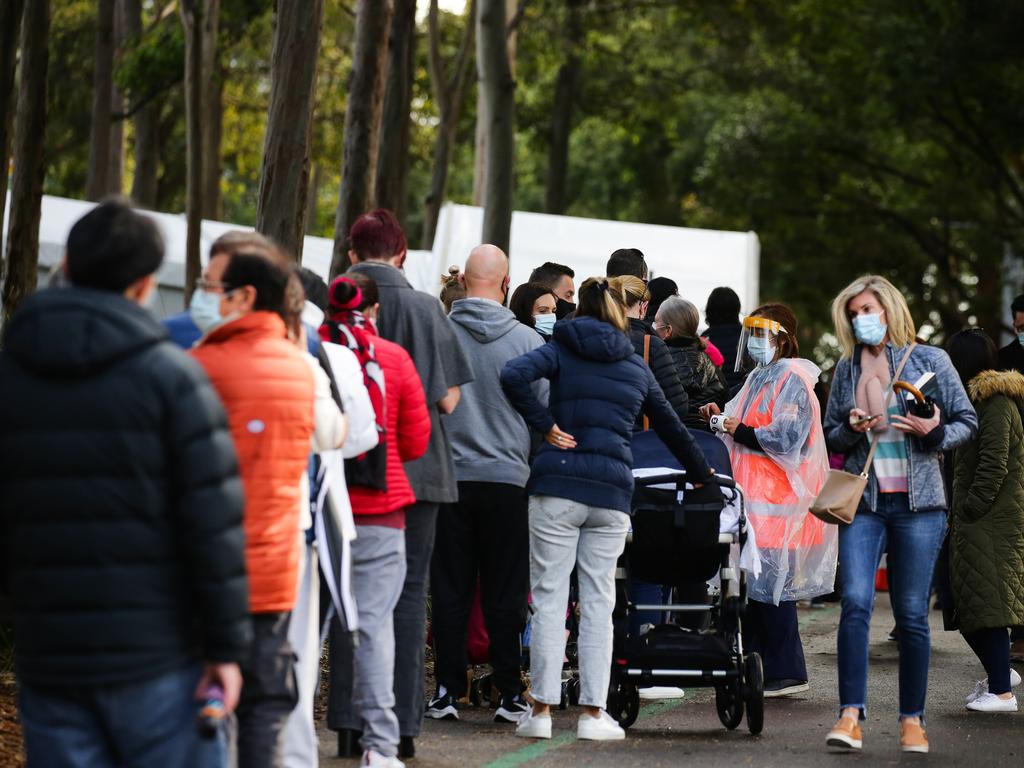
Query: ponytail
{"type": "Point", "coordinates": [604, 300]}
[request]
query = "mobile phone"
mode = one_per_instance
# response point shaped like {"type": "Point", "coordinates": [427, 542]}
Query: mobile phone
{"type": "Point", "coordinates": [862, 419]}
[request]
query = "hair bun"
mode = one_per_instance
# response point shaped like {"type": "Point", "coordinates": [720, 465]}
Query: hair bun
{"type": "Point", "coordinates": [345, 294]}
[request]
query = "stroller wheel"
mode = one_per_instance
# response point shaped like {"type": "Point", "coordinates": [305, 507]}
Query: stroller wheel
{"type": "Point", "coordinates": [753, 674]}
{"type": "Point", "coordinates": [624, 703]}
{"type": "Point", "coordinates": [574, 691]}
{"type": "Point", "coordinates": [729, 704]}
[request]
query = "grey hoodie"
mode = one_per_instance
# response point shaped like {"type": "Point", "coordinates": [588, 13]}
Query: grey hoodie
{"type": "Point", "coordinates": [490, 441]}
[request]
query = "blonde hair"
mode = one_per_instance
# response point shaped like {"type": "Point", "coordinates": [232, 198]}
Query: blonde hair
{"type": "Point", "coordinates": [633, 289]}
{"type": "Point", "coordinates": [605, 300]}
{"type": "Point", "coordinates": [682, 315]}
{"type": "Point", "coordinates": [897, 314]}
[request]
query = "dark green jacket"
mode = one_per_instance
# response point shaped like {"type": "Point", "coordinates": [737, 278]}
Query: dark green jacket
{"type": "Point", "coordinates": [986, 545]}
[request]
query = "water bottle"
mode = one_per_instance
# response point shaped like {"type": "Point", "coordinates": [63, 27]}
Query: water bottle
{"type": "Point", "coordinates": [212, 711]}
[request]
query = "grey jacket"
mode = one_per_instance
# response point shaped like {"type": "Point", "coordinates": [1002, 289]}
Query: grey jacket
{"type": "Point", "coordinates": [490, 440]}
{"type": "Point", "coordinates": [924, 469]}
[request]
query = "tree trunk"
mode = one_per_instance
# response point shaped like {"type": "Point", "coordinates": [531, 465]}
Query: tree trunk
{"type": "Point", "coordinates": [10, 24]}
{"type": "Point", "coordinates": [29, 145]}
{"type": "Point", "coordinates": [555, 193]}
{"type": "Point", "coordinates": [97, 183]}
{"type": "Point", "coordinates": [284, 180]}
{"type": "Point", "coordinates": [115, 172]}
{"type": "Point", "coordinates": [482, 122]}
{"type": "Point", "coordinates": [213, 129]}
{"type": "Point", "coordinates": [496, 82]}
{"type": "Point", "coordinates": [147, 126]}
{"type": "Point", "coordinates": [362, 123]}
{"type": "Point", "coordinates": [450, 95]}
{"type": "Point", "coordinates": [192, 18]}
{"type": "Point", "coordinates": [315, 180]}
{"type": "Point", "coordinates": [393, 158]}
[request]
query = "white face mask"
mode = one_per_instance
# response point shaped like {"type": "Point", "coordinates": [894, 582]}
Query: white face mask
{"type": "Point", "coordinates": [204, 308]}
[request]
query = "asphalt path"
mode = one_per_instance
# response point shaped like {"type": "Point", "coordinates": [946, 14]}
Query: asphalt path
{"type": "Point", "coordinates": [687, 732]}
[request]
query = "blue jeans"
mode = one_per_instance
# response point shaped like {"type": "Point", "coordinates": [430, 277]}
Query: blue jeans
{"type": "Point", "coordinates": [145, 723]}
{"type": "Point", "coordinates": [913, 540]}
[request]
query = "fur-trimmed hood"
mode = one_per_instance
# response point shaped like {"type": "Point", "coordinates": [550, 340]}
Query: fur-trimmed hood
{"type": "Point", "coordinates": [990, 383]}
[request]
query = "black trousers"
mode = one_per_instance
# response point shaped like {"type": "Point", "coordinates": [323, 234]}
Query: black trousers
{"type": "Point", "coordinates": [485, 535]}
{"type": "Point", "coordinates": [269, 692]}
{"type": "Point", "coordinates": [992, 647]}
{"type": "Point", "coordinates": [772, 631]}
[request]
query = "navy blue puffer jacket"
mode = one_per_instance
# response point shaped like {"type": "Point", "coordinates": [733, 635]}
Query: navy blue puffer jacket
{"type": "Point", "coordinates": [598, 387]}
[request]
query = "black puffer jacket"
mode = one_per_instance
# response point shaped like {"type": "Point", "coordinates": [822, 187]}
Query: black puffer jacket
{"type": "Point", "coordinates": [120, 502]}
{"type": "Point", "coordinates": [662, 366]}
{"type": "Point", "coordinates": [727, 338]}
{"type": "Point", "coordinates": [700, 378]}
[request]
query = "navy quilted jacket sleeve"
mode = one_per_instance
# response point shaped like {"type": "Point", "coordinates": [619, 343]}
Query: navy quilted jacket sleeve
{"type": "Point", "coordinates": [517, 378]}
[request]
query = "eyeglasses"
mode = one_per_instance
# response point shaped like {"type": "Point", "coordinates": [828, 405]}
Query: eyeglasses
{"type": "Point", "coordinates": [213, 286]}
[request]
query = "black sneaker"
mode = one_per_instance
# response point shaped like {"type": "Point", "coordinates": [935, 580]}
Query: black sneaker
{"type": "Point", "coordinates": [511, 709]}
{"type": "Point", "coordinates": [776, 688]}
{"type": "Point", "coordinates": [442, 708]}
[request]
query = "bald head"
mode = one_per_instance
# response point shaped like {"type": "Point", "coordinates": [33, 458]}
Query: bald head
{"type": "Point", "coordinates": [486, 273]}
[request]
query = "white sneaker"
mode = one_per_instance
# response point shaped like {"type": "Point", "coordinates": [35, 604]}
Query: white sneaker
{"type": "Point", "coordinates": [603, 728]}
{"type": "Point", "coordinates": [659, 692]}
{"type": "Point", "coordinates": [532, 726]}
{"type": "Point", "coordinates": [989, 702]}
{"type": "Point", "coordinates": [377, 760]}
{"type": "Point", "coordinates": [981, 686]}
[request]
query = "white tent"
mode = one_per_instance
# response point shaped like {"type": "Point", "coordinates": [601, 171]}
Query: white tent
{"type": "Point", "coordinates": [697, 259]}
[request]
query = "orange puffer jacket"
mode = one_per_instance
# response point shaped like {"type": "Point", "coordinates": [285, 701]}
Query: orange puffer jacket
{"type": "Point", "coordinates": [267, 390]}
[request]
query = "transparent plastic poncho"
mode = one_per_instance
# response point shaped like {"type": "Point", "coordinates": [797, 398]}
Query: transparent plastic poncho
{"type": "Point", "coordinates": [798, 552]}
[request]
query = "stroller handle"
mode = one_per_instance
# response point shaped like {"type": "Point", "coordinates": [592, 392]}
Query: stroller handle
{"type": "Point", "coordinates": [723, 481]}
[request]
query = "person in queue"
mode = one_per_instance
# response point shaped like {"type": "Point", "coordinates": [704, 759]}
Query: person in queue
{"type": "Point", "coordinates": [676, 324]}
{"type": "Point", "coordinates": [416, 322]}
{"type": "Point", "coordinates": [120, 516]}
{"type": "Point", "coordinates": [987, 519]}
{"type": "Point", "coordinates": [660, 288]}
{"type": "Point", "coordinates": [378, 551]}
{"type": "Point", "coordinates": [649, 346]}
{"type": "Point", "coordinates": [723, 315]}
{"type": "Point", "coordinates": [773, 430]}
{"type": "Point", "coordinates": [580, 488]}
{"type": "Point", "coordinates": [268, 391]}
{"type": "Point", "coordinates": [903, 510]}
{"type": "Point", "coordinates": [535, 306]}
{"type": "Point", "coordinates": [558, 279]}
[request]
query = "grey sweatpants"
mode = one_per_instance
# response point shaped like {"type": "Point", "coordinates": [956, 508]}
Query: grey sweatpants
{"type": "Point", "coordinates": [564, 533]}
{"type": "Point", "coordinates": [362, 681]}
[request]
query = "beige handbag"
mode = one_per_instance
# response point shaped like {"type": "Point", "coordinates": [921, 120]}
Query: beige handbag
{"type": "Point", "coordinates": [839, 498]}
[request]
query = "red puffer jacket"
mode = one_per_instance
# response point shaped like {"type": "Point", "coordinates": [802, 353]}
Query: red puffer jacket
{"type": "Point", "coordinates": [267, 389]}
{"type": "Point", "coordinates": [408, 432]}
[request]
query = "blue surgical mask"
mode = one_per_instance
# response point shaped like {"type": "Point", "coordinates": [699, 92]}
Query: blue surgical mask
{"type": "Point", "coordinates": [869, 329]}
{"type": "Point", "coordinates": [545, 323]}
{"type": "Point", "coordinates": [761, 350]}
{"type": "Point", "coordinates": [204, 308]}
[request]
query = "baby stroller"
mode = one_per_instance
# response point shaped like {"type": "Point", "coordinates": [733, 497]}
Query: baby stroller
{"type": "Point", "coordinates": [677, 540]}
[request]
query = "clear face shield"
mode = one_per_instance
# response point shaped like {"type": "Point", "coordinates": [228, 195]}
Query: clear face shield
{"type": "Point", "coordinates": [758, 345]}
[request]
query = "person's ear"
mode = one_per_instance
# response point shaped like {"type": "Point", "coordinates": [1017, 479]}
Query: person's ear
{"type": "Point", "coordinates": [246, 298]}
{"type": "Point", "coordinates": [399, 259]}
{"type": "Point", "coordinates": [461, 279]}
{"type": "Point", "coordinates": [141, 290]}
{"type": "Point", "coordinates": [353, 257]}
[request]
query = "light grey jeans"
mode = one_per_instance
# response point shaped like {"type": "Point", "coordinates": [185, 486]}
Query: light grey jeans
{"type": "Point", "coordinates": [301, 748]}
{"type": "Point", "coordinates": [564, 533]}
{"type": "Point", "coordinates": [363, 695]}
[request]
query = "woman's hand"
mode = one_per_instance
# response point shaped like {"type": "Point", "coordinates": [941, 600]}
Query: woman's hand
{"type": "Point", "coordinates": [560, 439]}
{"type": "Point", "coordinates": [731, 424]}
{"type": "Point", "coordinates": [915, 425]}
{"type": "Point", "coordinates": [709, 410]}
{"type": "Point", "coordinates": [858, 422]}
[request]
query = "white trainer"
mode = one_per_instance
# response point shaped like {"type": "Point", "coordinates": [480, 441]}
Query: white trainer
{"type": "Point", "coordinates": [532, 726]}
{"type": "Point", "coordinates": [660, 692]}
{"type": "Point", "coordinates": [981, 686]}
{"type": "Point", "coordinates": [377, 760]}
{"type": "Point", "coordinates": [601, 728]}
{"type": "Point", "coordinates": [989, 702]}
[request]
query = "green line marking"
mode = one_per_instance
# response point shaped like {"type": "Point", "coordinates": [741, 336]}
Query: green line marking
{"type": "Point", "coordinates": [541, 747]}
{"type": "Point", "coordinates": [531, 751]}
